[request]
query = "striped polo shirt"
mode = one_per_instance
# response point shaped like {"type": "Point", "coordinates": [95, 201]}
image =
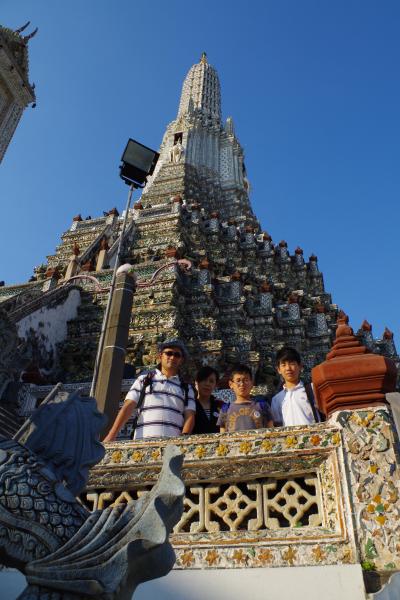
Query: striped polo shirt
{"type": "Point", "coordinates": [162, 412]}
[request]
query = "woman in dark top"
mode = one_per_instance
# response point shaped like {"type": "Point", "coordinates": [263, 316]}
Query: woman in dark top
{"type": "Point", "coordinates": [207, 408]}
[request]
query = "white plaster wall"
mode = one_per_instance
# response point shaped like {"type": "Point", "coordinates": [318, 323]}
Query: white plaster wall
{"type": "Point", "coordinates": [342, 582]}
{"type": "Point", "coordinates": [51, 322]}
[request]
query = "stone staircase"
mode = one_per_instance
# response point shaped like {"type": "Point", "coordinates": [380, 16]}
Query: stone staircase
{"type": "Point", "coordinates": [10, 422]}
{"type": "Point", "coordinates": [28, 306]}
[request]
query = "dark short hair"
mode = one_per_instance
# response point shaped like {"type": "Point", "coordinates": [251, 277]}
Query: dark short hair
{"type": "Point", "coordinates": [240, 369]}
{"type": "Point", "coordinates": [204, 373]}
{"type": "Point", "coordinates": [287, 353]}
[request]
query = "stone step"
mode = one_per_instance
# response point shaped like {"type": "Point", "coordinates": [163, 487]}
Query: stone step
{"type": "Point", "coordinates": [9, 422]}
{"type": "Point", "coordinates": [7, 431]}
{"type": "Point", "coordinates": [8, 415]}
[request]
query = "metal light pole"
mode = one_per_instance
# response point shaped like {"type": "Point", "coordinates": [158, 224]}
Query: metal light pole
{"type": "Point", "coordinates": [138, 162]}
{"type": "Point", "coordinates": [110, 295]}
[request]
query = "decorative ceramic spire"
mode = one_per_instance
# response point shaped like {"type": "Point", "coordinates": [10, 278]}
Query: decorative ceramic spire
{"type": "Point", "coordinates": [229, 127]}
{"type": "Point", "coordinates": [387, 334]}
{"type": "Point", "coordinates": [201, 91]}
{"type": "Point", "coordinates": [26, 38]}
{"type": "Point", "coordinates": [365, 326]}
{"type": "Point", "coordinates": [352, 377]}
{"type": "Point", "coordinates": [346, 342]}
{"type": "Point", "coordinates": [21, 29]}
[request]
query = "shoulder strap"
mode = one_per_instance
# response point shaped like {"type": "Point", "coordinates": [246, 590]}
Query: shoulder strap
{"type": "Point", "coordinates": [185, 389]}
{"type": "Point", "coordinates": [147, 381]}
{"type": "Point", "coordinates": [311, 401]}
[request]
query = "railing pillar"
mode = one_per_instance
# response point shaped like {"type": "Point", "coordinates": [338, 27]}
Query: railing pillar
{"type": "Point", "coordinates": [351, 387]}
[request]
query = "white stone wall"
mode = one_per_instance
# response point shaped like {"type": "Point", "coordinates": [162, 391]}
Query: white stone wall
{"type": "Point", "coordinates": [343, 582]}
{"type": "Point", "coordinates": [302, 583]}
{"type": "Point", "coordinates": [51, 323]}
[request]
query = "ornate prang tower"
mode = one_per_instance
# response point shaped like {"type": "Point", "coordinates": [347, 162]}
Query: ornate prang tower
{"type": "Point", "coordinates": [211, 157]}
{"type": "Point", "coordinates": [15, 90]}
{"type": "Point", "coordinates": [244, 298]}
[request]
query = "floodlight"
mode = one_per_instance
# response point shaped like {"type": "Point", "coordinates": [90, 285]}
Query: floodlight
{"type": "Point", "coordinates": [138, 162]}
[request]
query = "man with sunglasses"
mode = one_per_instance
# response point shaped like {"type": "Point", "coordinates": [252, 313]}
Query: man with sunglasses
{"type": "Point", "coordinates": [166, 404]}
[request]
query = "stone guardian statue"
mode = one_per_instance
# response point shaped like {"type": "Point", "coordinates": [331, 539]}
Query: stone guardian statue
{"type": "Point", "coordinates": [65, 551]}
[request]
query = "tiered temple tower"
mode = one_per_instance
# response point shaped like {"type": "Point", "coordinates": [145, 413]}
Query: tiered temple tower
{"type": "Point", "coordinates": [15, 90]}
{"type": "Point", "coordinates": [212, 160]}
{"type": "Point", "coordinates": [244, 298]}
{"type": "Point", "coordinates": [324, 496]}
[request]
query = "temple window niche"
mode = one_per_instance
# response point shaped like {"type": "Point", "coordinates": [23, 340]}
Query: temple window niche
{"type": "Point", "coordinates": [178, 138]}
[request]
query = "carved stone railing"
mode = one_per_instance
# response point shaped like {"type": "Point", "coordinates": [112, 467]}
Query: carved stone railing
{"type": "Point", "coordinates": [89, 224]}
{"type": "Point", "coordinates": [157, 211]}
{"type": "Point", "coordinates": [49, 299]}
{"type": "Point", "coordinates": [267, 497]}
{"type": "Point", "coordinates": [129, 232]}
{"type": "Point", "coordinates": [13, 295]}
{"type": "Point", "coordinates": [315, 495]}
{"type": "Point", "coordinates": [93, 247]}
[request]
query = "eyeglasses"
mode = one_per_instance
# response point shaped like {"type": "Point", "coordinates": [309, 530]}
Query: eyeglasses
{"type": "Point", "coordinates": [172, 353]}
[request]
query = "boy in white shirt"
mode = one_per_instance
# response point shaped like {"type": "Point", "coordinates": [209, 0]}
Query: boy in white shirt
{"type": "Point", "coordinates": [294, 404]}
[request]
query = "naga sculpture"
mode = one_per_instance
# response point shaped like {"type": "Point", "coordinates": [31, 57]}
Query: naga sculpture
{"type": "Point", "coordinates": [66, 552]}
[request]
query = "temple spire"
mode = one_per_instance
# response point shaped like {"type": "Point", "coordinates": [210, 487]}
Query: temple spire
{"type": "Point", "coordinates": [201, 92]}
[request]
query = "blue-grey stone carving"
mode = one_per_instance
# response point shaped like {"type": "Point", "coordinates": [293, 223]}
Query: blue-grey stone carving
{"type": "Point", "coordinates": [63, 432]}
{"type": "Point", "coordinates": [66, 552]}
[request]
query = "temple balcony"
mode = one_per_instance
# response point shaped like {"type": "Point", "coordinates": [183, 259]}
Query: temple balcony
{"type": "Point", "coordinates": [257, 498]}
{"type": "Point", "coordinates": [325, 494]}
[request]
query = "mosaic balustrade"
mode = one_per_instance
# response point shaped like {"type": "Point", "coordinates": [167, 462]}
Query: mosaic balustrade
{"type": "Point", "coordinates": [12, 290]}
{"type": "Point", "coordinates": [323, 494]}
{"type": "Point", "coordinates": [252, 498]}
{"type": "Point", "coordinates": [89, 223]}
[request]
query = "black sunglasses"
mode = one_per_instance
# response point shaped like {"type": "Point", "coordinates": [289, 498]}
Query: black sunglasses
{"type": "Point", "coordinates": [172, 353]}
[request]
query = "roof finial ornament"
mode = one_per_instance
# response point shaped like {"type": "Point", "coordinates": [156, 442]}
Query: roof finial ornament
{"type": "Point", "coordinates": [26, 38]}
{"type": "Point", "coordinates": [21, 29]}
{"type": "Point", "coordinates": [203, 58]}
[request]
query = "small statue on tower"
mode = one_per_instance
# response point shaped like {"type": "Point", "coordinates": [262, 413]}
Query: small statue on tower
{"type": "Point", "coordinates": [176, 152]}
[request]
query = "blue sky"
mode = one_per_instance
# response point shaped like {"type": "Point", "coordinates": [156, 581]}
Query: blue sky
{"type": "Point", "coordinates": [312, 85]}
